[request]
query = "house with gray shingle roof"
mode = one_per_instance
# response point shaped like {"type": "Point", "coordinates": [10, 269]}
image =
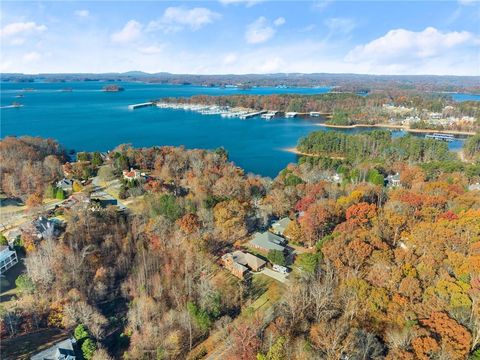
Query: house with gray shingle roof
{"type": "Point", "coordinates": [267, 241]}
{"type": "Point", "coordinates": [279, 227]}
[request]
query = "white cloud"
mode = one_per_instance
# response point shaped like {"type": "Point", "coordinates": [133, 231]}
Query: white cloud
{"type": "Point", "coordinates": [279, 21]}
{"type": "Point", "coordinates": [82, 13]}
{"type": "Point", "coordinates": [272, 65]}
{"type": "Point", "coordinates": [176, 18]}
{"type": "Point", "coordinates": [405, 44]}
{"type": "Point", "coordinates": [259, 31]}
{"type": "Point", "coordinates": [340, 25]}
{"type": "Point", "coordinates": [21, 28]}
{"type": "Point", "coordinates": [230, 59]}
{"type": "Point", "coordinates": [248, 3]}
{"type": "Point", "coordinates": [130, 32]}
{"type": "Point", "coordinates": [151, 50]}
{"type": "Point", "coordinates": [322, 4]}
{"type": "Point", "coordinates": [429, 51]}
{"type": "Point", "coordinates": [467, 2]}
{"type": "Point", "coordinates": [31, 57]}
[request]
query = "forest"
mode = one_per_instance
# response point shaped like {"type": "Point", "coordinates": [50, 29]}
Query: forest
{"type": "Point", "coordinates": [382, 272]}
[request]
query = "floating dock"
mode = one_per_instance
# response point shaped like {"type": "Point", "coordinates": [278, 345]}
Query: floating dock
{"type": "Point", "coordinates": [252, 114]}
{"type": "Point", "coordinates": [269, 115]}
{"type": "Point", "coordinates": [138, 106]}
{"type": "Point", "coordinates": [443, 137]}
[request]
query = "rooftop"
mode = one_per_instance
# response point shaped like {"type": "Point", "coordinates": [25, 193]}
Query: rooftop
{"type": "Point", "coordinates": [268, 241]}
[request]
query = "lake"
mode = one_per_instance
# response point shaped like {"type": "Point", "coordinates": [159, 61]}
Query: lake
{"type": "Point", "coordinates": [88, 119]}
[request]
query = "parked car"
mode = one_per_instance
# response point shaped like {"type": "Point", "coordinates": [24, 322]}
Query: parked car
{"type": "Point", "coordinates": [280, 269]}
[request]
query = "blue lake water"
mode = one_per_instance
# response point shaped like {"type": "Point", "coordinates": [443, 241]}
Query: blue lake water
{"type": "Point", "coordinates": [89, 119]}
{"type": "Point", "coordinates": [465, 97]}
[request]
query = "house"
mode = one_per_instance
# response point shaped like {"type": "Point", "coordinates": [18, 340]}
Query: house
{"type": "Point", "coordinates": [67, 169]}
{"type": "Point", "coordinates": [44, 227]}
{"type": "Point", "coordinates": [473, 187]}
{"type": "Point", "coordinates": [279, 227]}
{"type": "Point", "coordinates": [133, 174]}
{"type": "Point", "coordinates": [63, 350]}
{"type": "Point", "coordinates": [65, 184]}
{"type": "Point", "coordinates": [76, 200]}
{"type": "Point", "coordinates": [267, 241]}
{"type": "Point", "coordinates": [8, 258]}
{"type": "Point", "coordinates": [393, 180]}
{"type": "Point", "coordinates": [239, 262]}
{"type": "Point", "coordinates": [234, 267]}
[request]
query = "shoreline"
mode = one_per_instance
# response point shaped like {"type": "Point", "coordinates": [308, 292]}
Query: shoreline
{"type": "Point", "coordinates": [294, 150]}
{"type": "Point", "coordinates": [399, 127]}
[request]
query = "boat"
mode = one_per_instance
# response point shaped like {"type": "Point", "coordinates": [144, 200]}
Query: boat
{"type": "Point", "coordinates": [290, 114]}
{"type": "Point", "coordinates": [19, 96]}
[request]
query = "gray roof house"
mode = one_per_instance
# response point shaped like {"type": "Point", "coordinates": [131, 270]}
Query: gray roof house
{"type": "Point", "coordinates": [473, 187]}
{"type": "Point", "coordinates": [63, 350]}
{"type": "Point", "coordinates": [65, 184]}
{"type": "Point", "coordinates": [45, 227]}
{"type": "Point", "coordinates": [267, 241]}
{"type": "Point", "coordinates": [278, 227]}
{"type": "Point", "coordinates": [393, 180]}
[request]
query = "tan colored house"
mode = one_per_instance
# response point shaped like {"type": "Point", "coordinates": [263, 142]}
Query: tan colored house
{"type": "Point", "coordinates": [239, 262]}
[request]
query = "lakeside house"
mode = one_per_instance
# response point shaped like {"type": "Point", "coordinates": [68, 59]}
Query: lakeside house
{"type": "Point", "coordinates": [239, 263]}
{"type": "Point", "coordinates": [393, 180]}
{"type": "Point", "coordinates": [8, 258]}
{"type": "Point", "coordinates": [473, 187]}
{"type": "Point", "coordinates": [279, 226]}
{"type": "Point", "coordinates": [76, 200]}
{"type": "Point", "coordinates": [65, 184]}
{"type": "Point", "coordinates": [267, 241]}
{"type": "Point", "coordinates": [63, 350]}
{"type": "Point", "coordinates": [133, 174]}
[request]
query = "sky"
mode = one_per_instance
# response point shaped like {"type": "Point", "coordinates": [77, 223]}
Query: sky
{"type": "Point", "coordinates": [241, 36]}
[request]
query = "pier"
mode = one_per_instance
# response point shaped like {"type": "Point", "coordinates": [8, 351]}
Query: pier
{"type": "Point", "coordinates": [252, 114]}
{"type": "Point", "coordinates": [138, 106]}
{"type": "Point", "coordinates": [443, 137]}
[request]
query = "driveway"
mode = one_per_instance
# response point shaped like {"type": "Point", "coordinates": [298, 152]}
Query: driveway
{"type": "Point", "coordinates": [283, 278]}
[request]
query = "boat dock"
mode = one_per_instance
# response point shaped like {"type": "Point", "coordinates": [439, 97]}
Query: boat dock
{"type": "Point", "coordinates": [443, 137]}
{"type": "Point", "coordinates": [252, 114]}
{"type": "Point", "coordinates": [269, 115]}
{"type": "Point", "coordinates": [138, 106]}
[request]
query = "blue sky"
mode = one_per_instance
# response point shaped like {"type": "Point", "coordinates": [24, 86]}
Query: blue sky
{"type": "Point", "coordinates": [234, 36]}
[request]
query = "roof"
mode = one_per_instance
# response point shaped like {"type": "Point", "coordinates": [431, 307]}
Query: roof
{"type": "Point", "coordinates": [281, 224]}
{"type": "Point", "coordinates": [254, 261]}
{"type": "Point", "coordinates": [474, 187]}
{"type": "Point", "coordinates": [247, 259]}
{"type": "Point", "coordinates": [5, 252]}
{"type": "Point", "coordinates": [62, 350]}
{"type": "Point", "coordinates": [268, 241]}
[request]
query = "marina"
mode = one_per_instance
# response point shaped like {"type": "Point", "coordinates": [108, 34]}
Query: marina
{"type": "Point", "coordinates": [443, 137]}
{"type": "Point", "coordinates": [256, 144]}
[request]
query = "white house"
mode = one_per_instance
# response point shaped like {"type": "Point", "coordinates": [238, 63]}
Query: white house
{"type": "Point", "coordinates": [132, 174]}
{"type": "Point", "coordinates": [8, 258]}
